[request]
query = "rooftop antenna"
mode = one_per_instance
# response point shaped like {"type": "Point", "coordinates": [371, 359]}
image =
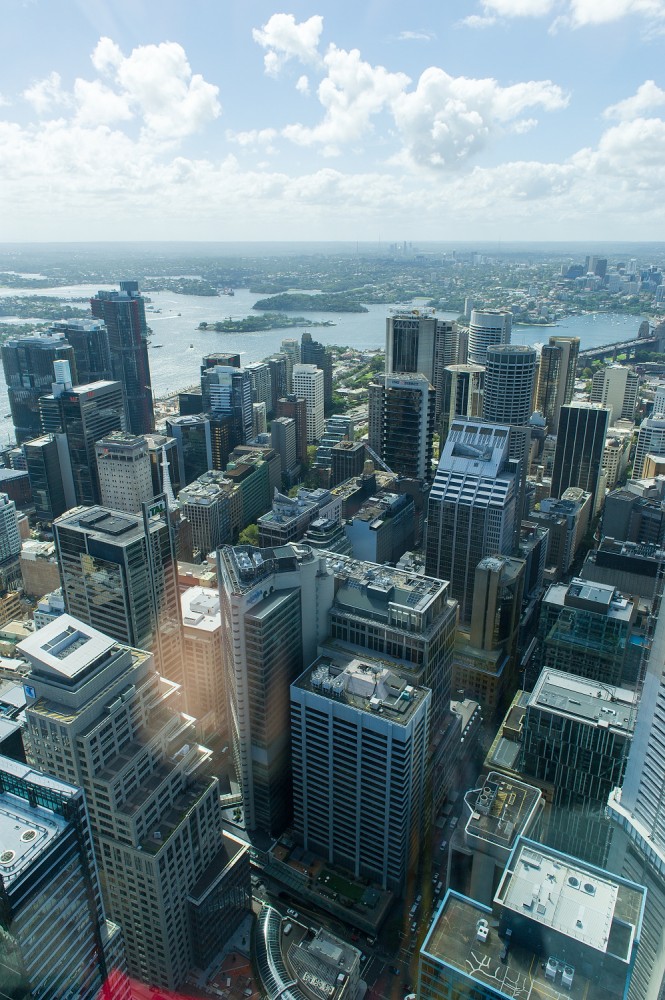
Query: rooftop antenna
{"type": "Point", "coordinates": [166, 482]}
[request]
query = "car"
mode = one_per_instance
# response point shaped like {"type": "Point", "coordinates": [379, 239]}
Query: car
{"type": "Point", "coordinates": [454, 821]}
{"type": "Point", "coordinates": [363, 956]}
{"type": "Point", "coordinates": [292, 913]}
{"type": "Point", "coordinates": [394, 970]}
{"type": "Point", "coordinates": [414, 927]}
{"type": "Point", "coordinates": [418, 898]}
{"type": "Point", "coordinates": [444, 844]}
{"type": "Point", "coordinates": [439, 887]}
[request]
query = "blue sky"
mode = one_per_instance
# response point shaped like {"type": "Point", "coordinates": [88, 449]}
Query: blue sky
{"type": "Point", "coordinates": [220, 120]}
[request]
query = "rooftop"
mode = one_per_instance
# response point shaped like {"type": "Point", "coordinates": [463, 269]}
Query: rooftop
{"type": "Point", "coordinates": [65, 648]}
{"type": "Point", "coordinates": [453, 940]}
{"type": "Point", "coordinates": [200, 609]}
{"type": "Point", "coordinates": [370, 586]}
{"type": "Point", "coordinates": [584, 700]}
{"type": "Point", "coordinates": [598, 598]}
{"type": "Point", "coordinates": [500, 810]}
{"type": "Point", "coordinates": [366, 684]}
{"type": "Point", "coordinates": [103, 523]}
{"type": "Point", "coordinates": [576, 899]}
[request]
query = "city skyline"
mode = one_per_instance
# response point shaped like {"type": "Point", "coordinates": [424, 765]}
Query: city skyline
{"type": "Point", "coordinates": [519, 119]}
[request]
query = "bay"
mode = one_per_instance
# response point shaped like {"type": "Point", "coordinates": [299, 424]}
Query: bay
{"type": "Point", "coordinates": [174, 320]}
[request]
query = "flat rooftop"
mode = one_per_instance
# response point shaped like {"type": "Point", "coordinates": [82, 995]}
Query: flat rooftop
{"type": "Point", "coordinates": [598, 598]}
{"type": "Point", "coordinates": [452, 939]}
{"type": "Point", "coordinates": [65, 648]}
{"type": "Point", "coordinates": [25, 833]}
{"type": "Point", "coordinates": [571, 897]}
{"type": "Point", "coordinates": [104, 524]}
{"type": "Point", "coordinates": [371, 586]}
{"type": "Point", "coordinates": [365, 684]}
{"type": "Point", "coordinates": [584, 700]}
{"type": "Point", "coordinates": [200, 609]}
{"type": "Point", "coordinates": [500, 810]}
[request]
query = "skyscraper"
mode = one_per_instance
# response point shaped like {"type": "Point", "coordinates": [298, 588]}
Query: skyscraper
{"type": "Point", "coordinates": [472, 507]}
{"type": "Point", "coordinates": [418, 342]}
{"type": "Point", "coordinates": [462, 394]}
{"type": "Point", "coordinates": [154, 810]}
{"type": "Point", "coordinates": [56, 941]}
{"type": "Point", "coordinates": [119, 574]}
{"type": "Point", "coordinates": [79, 416]}
{"type": "Point", "coordinates": [616, 387]}
{"type": "Point", "coordinates": [295, 407]}
{"type": "Point", "coordinates": [401, 423]}
{"type": "Point", "coordinates": [43, 463]}
{"type": "Point", "coordinates": [90, 341]}
{"type": "Point", "coordinates": [274, 605]}
{"type": "Point", "coordinates": [28, 366]}
{"type": "Point", "coordinates": [650, 440]}
{"type": "Point", "coordinates": [227, 391]}
{"type": "Point", "coordinates": [580, 443]}
{"type": "Point", "coordinates": [510, 377]}
{"type": "Point", "coordinates": [308, 384]}
{"type": "Point", "coordinates": [485, 330]}
{"type": "Point", "coordinates": [123, 313]}
{"type": "Point", "coordinates": [314, 353]}
{"type": "Point", "coordinates": [123, 467]}
{"type": "Point", "coordinates": [556, 377]}
{"type": "Point", "coordinates": [638, 810]}
{"type": "Point", "coordinates": [194, 440]}
{"type": "Point", "coordinates": [358, 725]}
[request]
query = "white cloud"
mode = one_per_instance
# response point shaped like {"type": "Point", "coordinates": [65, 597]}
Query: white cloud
{"type": "Point", "coordinates": [446, 119]}
{"type": "Point", "coordinates": [97, 104]}
{"type": "Point", "coordinates": [416, 36]}
{"type": "Point", "coordinates": [285, 38]}
{"type": "Point", "coordinates": [477, 21]}
{"type": "Point", "coordinates": [47, 94]}
{"type": "Point", "coordinates": [158, 81]}
{"type": "Point", "coordinates": [352, 92]}
{"type": "Point", "coordinates": [589, 12]}
{"type": "Point", "coordinates": [254, 138]}
{"type": "Point", "coordinates": [302, 85]}
{"type": "Point", "coordinates": [520, 8]}
{"type": "Point", "coordinates": [648, 97]}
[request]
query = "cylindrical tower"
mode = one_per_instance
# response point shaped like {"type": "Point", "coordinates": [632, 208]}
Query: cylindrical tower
{"type": "Point", "coordinates": [485, 329]}
{"type": "Point", "coordinates": [509, 383]}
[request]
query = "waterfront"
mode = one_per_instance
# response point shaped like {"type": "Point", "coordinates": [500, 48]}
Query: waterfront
{"type": "Point", "coordinates": [174, 321]}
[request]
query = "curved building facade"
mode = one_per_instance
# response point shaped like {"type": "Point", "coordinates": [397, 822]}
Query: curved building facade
{"type": "Point", "coordinates": [486, 329]}
{"type": "Point", "coordinates": [510, 377]}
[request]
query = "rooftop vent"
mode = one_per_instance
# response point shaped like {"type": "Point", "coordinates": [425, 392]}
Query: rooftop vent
{"type": "Point", "coordinates": [28, 835]}
{"type": "Point", "coordinates": [573, 882]}
{"type": "Point", "coordinates": [7, 857]}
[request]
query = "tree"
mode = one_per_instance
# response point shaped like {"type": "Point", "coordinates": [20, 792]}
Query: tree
{"type": "Point", "coordinates": [249, 535]}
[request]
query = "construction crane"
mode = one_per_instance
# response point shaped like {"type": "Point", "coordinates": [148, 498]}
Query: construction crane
{"type": "Point", "coordinates": [378, 459]}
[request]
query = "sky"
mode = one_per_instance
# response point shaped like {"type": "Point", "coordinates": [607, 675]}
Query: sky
{"type": "Point", "coordinates": [370, 121]}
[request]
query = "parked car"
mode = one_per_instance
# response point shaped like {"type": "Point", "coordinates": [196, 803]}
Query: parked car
{"type": "Point", "coordinates": [292, 913]}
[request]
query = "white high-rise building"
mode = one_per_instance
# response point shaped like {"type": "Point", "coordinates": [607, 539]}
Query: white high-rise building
{"type": "Point", "coordinates": [487, 328]}
{"type": "Point", "coordinates": [10, 539]}
{"type": "Point", "coordinates": [125, 476]}
{"type": "Point", "coordinates": [659, 402]}
{"type": "Point", "coordinates": [308, 385]}
{"type": "Point", "coordinates": [617, 388]}
{"type": "Point", "coordinates": [360, 736]}
{"type": "Point", "coordinates": [650, 441]}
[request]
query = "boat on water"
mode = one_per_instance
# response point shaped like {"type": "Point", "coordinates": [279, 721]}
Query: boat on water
{"type": "Point", "coordinates": [191, 347]}
{"type": "Point", "coordinates": [228, 291]}
{"type": "Point", "coordinates": [155, 346]}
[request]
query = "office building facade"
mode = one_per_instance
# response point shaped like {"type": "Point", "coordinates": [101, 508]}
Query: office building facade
{"type": "Point", "coordinates": [56, 941]}
{"type": "Point", "coordinates": [510, 376]}
{"type": "Point", "coordinates": [154, 810]}
{"type": "Point", "coordinates": [463, 387]}
{"type": "Point", "coordinates": [123, 313]}
{"type": "Point", "coordinates": [360, 774]}
{"type": "Point", "coordinates": [78, 416]}
{"type": "Point", "coordinates": [274, 605]}
{"type": "Point", "coordinates": [193, 437]}
{"type": "Point", "coordinates": [472, 507]}
{"type": "Point", "coordinates": [556, 378]}
{"type": "Point", "coordinates": [617, 388]}
{"type": "Point", "coordinates": [401, 423]}
{"type": "Point", "coordinates": [418, 342]}
{"type": "Point", "coordinates": [580, 443]}
{"type": "Point", "coordinates": [28, 367]}
{"type": "Point", "coordinates": [119, 574]}
{"type": "Point", "coordinates": [308, 384]}
{"type": "Point", "coordinates": [123, 468]}
{"type": "Point", "coordinates": [487, 329]}
{"type": "Point", "coordinates": [90, 341]}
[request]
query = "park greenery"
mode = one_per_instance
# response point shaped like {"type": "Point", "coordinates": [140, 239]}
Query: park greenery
{"type": "Point", "coordinates": [290, 301]}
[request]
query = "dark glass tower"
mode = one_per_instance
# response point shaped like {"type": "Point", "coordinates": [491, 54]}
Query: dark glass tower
{"type": "Point", "coordinates": [28, 365]}
{"type": "Point", "coordinates": [123, 313]}
{"type": "Point", "coordinates": [580, 441]}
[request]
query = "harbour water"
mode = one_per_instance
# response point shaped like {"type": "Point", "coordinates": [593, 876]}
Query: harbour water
{"type": "Point", "coordinates": [174, 321]}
